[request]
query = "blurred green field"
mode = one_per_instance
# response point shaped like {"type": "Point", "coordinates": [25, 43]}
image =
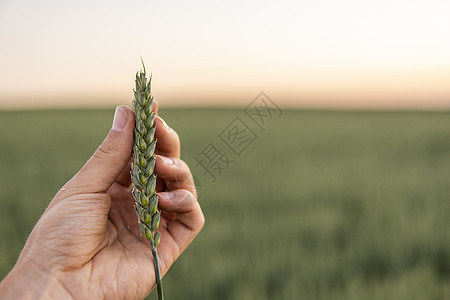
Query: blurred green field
{"type": "Point", "coordinates": [323, 205]}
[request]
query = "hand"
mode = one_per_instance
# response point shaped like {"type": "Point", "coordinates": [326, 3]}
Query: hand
{"type": "Point", "coordinates": [87, 243]}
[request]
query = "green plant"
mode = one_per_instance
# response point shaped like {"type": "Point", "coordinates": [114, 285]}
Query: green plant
{"type": "Point", "coordinates": [142, 170]}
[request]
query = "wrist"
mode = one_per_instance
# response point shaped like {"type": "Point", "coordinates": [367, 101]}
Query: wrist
{"type": "Point", "coordinates": [27, 281]}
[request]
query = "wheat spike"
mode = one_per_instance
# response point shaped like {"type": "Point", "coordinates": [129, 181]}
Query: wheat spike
{"type": "Point", "coordinates": [142, 169]}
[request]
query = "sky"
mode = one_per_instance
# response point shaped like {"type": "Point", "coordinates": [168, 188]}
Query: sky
{"type": "Point", "coordinates": [311, 53]}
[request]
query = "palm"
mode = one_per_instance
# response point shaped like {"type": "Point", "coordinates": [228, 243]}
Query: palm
{"type": "Point", "coordinates": [127, 255]}
{"type": "Point", "coordinates": [118, 258]}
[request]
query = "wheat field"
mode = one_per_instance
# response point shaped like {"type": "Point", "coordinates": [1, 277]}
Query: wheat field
{"type": "Point", "coordinates": [320, 205]}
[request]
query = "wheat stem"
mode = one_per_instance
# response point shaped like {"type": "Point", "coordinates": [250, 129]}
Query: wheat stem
{"type": "Point", "coordinates": [158, 274]}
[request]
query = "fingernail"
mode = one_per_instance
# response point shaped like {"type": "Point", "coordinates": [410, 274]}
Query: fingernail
{"type": "Point", "coordinates": [170, 195]}
{"type": "Point", "coordinates": [167, 160]}
{"type": "Point", "coordinates": [120, 119]}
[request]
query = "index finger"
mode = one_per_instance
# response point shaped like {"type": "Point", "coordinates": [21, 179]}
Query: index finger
{"type": "Point", "coordinates": [168, 142]}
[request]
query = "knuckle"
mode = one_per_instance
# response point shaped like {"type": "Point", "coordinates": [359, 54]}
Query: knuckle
{"type": "Point", "coordinates": [187, 198]}
{"type": "Point", "coordinates": [175, 136]}
{"type": "Point", "coordinates": [201, 221]}
{"type": "Point", "coordinates": [184, 173]}
{"type": "Point", "coordinates": [100, 153]}
{"type": "Point", "coordinates": [183, 167]}
{"type": "Point", "coordinates": [104, 150]}
{"type": "Point", "coordinates": [178, 162]}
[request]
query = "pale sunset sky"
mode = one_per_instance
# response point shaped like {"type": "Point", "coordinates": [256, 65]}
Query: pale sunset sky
{"type": "Point", "coordinates": [311, 53]}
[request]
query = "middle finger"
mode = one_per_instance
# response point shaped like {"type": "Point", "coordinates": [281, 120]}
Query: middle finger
{"type": "Point", "coordinates": [175, 173]}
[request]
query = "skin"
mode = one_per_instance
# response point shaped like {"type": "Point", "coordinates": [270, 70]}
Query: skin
{"type": "Point", "coordinates": [87, 244]}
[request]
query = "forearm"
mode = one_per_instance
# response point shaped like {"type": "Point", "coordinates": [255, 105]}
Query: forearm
{"type": "Point", "coordinates": [26, 282]}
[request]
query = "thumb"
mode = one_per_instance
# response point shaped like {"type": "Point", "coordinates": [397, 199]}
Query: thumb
{"type": "Point", "coordinates": [110, 158]}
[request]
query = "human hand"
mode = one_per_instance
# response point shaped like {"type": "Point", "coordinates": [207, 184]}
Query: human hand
{"type": "Point", "coordinates": [87, 243]}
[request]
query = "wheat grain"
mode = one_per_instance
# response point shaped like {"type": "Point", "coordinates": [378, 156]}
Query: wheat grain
{"type": "Point", "coordinates": [143, 166]}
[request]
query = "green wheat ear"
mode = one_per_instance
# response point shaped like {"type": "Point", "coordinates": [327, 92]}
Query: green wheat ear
{"type": "Point", "coordinates": [143, 166]}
